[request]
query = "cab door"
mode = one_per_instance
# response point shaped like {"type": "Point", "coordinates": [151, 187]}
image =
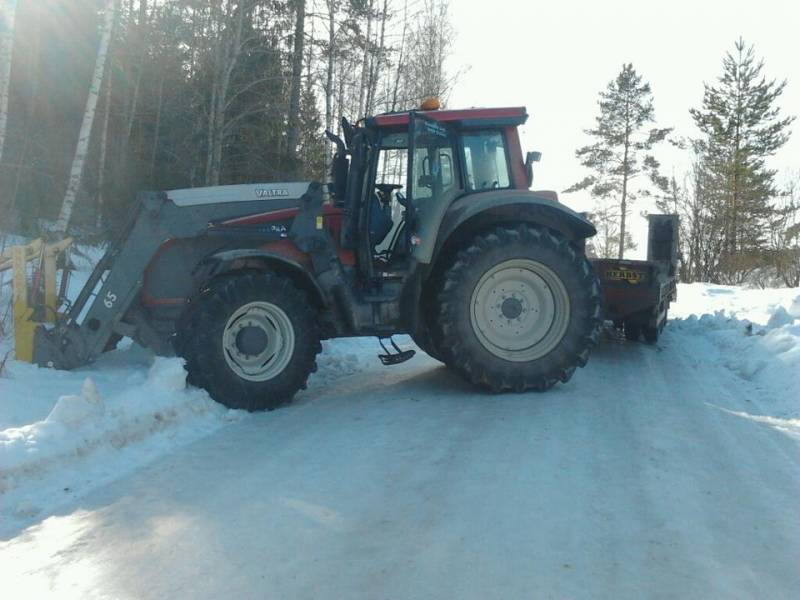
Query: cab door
{"type": "Point", "coordinates": [434, 179]}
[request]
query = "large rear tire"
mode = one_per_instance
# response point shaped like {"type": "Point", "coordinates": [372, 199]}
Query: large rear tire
{"type": "Point", "coordinates": [250, 340]}
{"type": "Point", "coordinates": [519, 309]}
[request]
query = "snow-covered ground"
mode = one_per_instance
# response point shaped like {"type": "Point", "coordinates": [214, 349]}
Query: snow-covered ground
{"type": "Point", "coordinates": [659, 471]}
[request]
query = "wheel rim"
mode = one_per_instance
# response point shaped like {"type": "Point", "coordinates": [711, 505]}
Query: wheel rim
{"type": "Point", "coordinates": [258, 341]}
{"type": "Point", "coordinates": [519, 310]}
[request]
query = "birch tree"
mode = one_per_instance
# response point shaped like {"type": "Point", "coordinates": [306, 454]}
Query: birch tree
{"type": "Point", "coordinates": [231, 41]}
{"type": "Point", "coordinates": [328, 86]}
{"type": "Point", "coordinates": [293, 128]}
{"type": "Point", "coordinates": [84, 137]}
{"type": "Point", "coordinates": [362, 107]}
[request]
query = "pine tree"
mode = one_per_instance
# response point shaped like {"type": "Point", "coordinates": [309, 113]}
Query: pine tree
{"type": "Point", "coordinates": [622, 148]}
{"type": "Point", "coordinates": [741, 127]}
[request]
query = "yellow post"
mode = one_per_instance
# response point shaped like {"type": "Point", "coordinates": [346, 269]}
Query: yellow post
{"type": "Point", "coordinates": [24, 328]}
{"type": "Point", "coordinates": [49, 277]}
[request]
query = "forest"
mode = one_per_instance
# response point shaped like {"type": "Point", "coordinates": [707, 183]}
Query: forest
{"type": "Point", "coordinates": [102, 98]}
{"type": "Point", "coordinates": [164, 94]}
{"type": "Point", "coordinates": [740, 218]}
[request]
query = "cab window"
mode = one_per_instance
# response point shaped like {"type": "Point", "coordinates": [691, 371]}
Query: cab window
{"type": "Point", "coordinates": [435, 172]}
{"type": "Point", "coordinates": [485, 161]}
{"type": "Point", "coordinates": [434, 167]}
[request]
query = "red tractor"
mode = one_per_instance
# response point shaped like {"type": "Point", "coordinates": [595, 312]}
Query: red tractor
{"type": "Point", "coordinates": [427, 228]}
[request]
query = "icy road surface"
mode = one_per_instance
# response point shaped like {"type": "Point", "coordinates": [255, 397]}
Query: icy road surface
{"type": "Point", "coordinates": [668, 471]}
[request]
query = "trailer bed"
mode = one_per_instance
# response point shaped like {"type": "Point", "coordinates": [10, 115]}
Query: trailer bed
{"type": "Point", "coordinates": [637, 293]}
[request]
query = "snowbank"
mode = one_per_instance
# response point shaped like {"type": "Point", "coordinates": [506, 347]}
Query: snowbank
{"type": "Point", "coordinates": [758, 332]}
{"type": "Point", "coordinates": [79, 423]}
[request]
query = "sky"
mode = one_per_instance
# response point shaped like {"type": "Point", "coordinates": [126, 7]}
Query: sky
{"type": "Point", "coordinates": [555, 57]}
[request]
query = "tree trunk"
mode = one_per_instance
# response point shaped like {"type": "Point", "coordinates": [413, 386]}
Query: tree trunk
{"type": "Point", "coordinates": [212, 130]}
{"type": "Point", "coordinates": [624, 203]}
{"type": "Point", "coordinates": [329, 79]}
{"type": "Point", "coordinates": [340, 98]}
{"type": "Point", "coordinates": [331, 65]}
{"type": "Point", "coordinates": [396, 87]}
{"type": "Point", "coordinates": [101, 167]}
{"type": "Point", "coordinates": [142, 22]}
{"type": "Point", "coordinates": [229, 51]}
{"type": "Point", "coordinates": [7, 13]}
{"type": "Point", "coordinates": [157, 129]}
{"type": "Point", "coordinates": [293, 125]}
{"type": "Point", "coordinates": [82, 148]}
{"type": "Point", "coordinates": [365, 65]}
{"type": "Point", "coordinates": [376, 64]}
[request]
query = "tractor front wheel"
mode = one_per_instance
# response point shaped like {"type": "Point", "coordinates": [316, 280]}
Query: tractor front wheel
{"type": "Point", "coordinates": [250, 340]}
{"type": "Point", "coordinates": [519, 309]}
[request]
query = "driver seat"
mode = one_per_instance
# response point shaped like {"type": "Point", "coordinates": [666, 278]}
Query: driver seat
{"type": "Point", "coordinates": [380, 220]}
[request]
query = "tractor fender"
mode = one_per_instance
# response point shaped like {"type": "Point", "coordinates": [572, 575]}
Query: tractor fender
{"type": "Point", "coordinates": [474, 212]}
{"type": "Point", "coordinates": [224, 262]}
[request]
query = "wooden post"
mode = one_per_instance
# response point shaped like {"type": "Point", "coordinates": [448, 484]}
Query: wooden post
{"type": "Point", "coordinates": [49, 277]}
{"type": "Point", "coordinates": [24, 328]}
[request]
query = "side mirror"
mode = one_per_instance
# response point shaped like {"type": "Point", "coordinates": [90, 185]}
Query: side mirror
{"type": "Point", "coordinates": [531, 158]}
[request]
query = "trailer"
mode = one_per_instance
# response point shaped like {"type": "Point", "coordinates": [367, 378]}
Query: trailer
{"type": "Point", "coordinates": [637, 293]}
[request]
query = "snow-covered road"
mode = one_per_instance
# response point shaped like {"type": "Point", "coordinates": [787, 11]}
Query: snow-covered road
{"type": "Point", "coordinates": [658, 472]}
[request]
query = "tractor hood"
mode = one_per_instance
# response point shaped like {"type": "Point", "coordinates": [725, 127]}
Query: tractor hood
{"type": "Point", "coordinates": [251, 192]}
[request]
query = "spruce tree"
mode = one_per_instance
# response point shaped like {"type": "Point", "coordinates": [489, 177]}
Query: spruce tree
{"type": "Point", "coordinates": [621, 151]}
{"type": "Point", "coordinates": [741, 127]}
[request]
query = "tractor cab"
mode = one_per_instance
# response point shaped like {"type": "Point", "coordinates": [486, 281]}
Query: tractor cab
{"type": "Point", "coordinates": [395, 176]}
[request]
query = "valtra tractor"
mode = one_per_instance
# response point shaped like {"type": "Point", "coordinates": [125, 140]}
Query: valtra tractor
{"type": "Point", "coordinates": [428, 228]}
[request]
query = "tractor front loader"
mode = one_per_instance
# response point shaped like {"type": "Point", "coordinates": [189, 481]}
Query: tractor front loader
{"type": "Point", "coordinates": [428, 227]}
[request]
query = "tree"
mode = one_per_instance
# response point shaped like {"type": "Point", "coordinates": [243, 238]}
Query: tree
{"type": "Point", "coordinates": [7, 11]}
{"type": "Point", "coordinates": [784, 235]}
{"type": "Point", "coordinates": [740, 128]}
{"type": "Point", "coordinates": [198, 92]}
{"type": "Point", "coordinates": [430, 43]}
{"type": "Point", "coordinates": [82, 147]}
{"type": "Point", "coordinates": [293, 129]}
{"type": "Point", "coordinates": [606, 242]}
{"type": "Point", "coordinates": [622, 149]}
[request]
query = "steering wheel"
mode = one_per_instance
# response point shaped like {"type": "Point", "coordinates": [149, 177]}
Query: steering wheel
{"type": "Point", "coordinates": [387, 188]}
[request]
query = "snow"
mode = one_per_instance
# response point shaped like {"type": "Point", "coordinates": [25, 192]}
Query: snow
{"type": "Point", "coordinates": [757, 333]}
{"type": "Point", "coordinates": [77, 423]}
{"type": "Point", "coordinates": [659, 471]}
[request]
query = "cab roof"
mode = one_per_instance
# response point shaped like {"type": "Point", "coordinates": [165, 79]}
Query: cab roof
{"type": "Point", "coordinates": [464, 117]}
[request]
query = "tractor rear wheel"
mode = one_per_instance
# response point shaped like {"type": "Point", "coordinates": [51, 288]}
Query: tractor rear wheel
{"type": "Point", "coordinates": [519, 309]}
{"type": "Point", "coordinates": [250, 340]}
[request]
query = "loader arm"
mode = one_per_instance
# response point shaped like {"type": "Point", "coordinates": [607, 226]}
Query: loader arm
{"type": "Point", "coordinates": [99, 312]}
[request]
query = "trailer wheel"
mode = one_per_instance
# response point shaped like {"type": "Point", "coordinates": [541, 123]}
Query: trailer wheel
{"type": "Point", "coordinates": [518, 309]}
{"type": "Point", "coordinates": [250, 340]}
